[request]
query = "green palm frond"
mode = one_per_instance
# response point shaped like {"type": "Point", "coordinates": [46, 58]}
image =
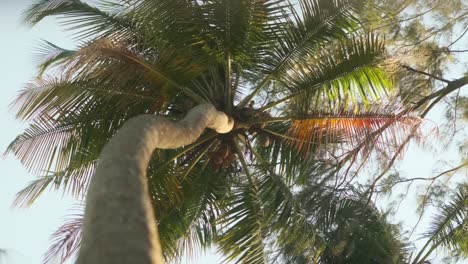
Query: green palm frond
{"type": "Point", "coordinates": [243, 226]}
{"type": "Point", "coordinates": [188, 189]}
{"type": "Point", "coordinates": [85, 114]}
{"type": "Point", "coordinates": [360, 229]}
{"type": "Point", "coordinates": [449, 227]}
{"type": "Point", "coordinates": [73, 181]}
{"type": "Point", "coordinates": [55, 145]}
{"type": "Point", "coordinates": [86, 20]}
{"type": "Point", "coordinates": [59, 96]}
{"type": "Point", "coordinates": [200, 231]}
{"type": "Point", "coordinates": [184, 193]}
{"type": "Point", "coordinates": [49, 55]}
{"type": "Point", "coordinates": [286, 216]}
{"type": "Point", "coordinates": [34, 148]}
{"type": "Point", "coordinates": [303, 31]}
{"type": "Point", "coordinates": [278, 148]}
{"type": "Point", "coordinates": [347, 73]}
{"type": "Point", "coordinates": [189, 226]}
{"type": "Point", "coordinates": [317, 22]}
{"type": "Point", "coordinates": [242, 29]}
{"type": "Point", "coordinates": [104, 58]}
{"type": "Point", "coordinates": [238, 35]}
{"type": "Point", "coordinates": [242, 238]}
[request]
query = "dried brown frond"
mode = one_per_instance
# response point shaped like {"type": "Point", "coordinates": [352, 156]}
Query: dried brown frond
{"type": "Point", "coordinates": [349, 128]}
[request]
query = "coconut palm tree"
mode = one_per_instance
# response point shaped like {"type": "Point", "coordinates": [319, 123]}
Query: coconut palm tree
{"type": "Point", "coordinates": [291, 91]}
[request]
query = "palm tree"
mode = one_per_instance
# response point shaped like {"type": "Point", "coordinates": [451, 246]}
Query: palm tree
{"type": "Point", "coordinates": [307, 89]}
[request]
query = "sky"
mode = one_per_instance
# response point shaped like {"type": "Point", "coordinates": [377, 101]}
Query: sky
{"type": "Point", "coordinates": [25, 232]}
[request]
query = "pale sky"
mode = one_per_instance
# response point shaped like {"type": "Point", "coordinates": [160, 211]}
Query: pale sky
{"type": "Point", "coordinates": [25, 232]}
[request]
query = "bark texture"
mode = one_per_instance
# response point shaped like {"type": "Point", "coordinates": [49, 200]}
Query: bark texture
{"type": "Point", "coordinates": [119, 225]}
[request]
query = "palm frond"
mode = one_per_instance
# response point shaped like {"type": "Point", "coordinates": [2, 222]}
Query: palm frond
{"type": "Point", "coordinates": [44, 146]}
{"type": "Point", "coordinates": [73, 181]}
{"type": "Point", "coordinates": [277, 147]}
{"type": "Point", "coordinates": [70, 117]}
{"type": "Point", "coordinates": [193, 225]}
{"type": "Point", "coordinates": [304, 32]}
{"type": "Point", "coordinates": [449, 227]}
{"type": "Point", "coordinates": [242, 239]}
{"type": "Point", "coordinates": [242, 28]}
{"type": "Point", "coordinates": [349, 127]}
{"type": "Point", "coordinates": [49, 55]}
{"type": "Point", "coordinates": [157, 21]}
{"type": "Point", "coordinates": [86, 20]}
{"type": "Point", "coordinates": [187, 192]}
{"type": "Point", "coordinates": [186, 195]}
{"type": "Point", "coordinates": [317, 22]}
{"type": "Point", "coordinates": [55, 144]}
{"type": "Point", "coordinates": [161, 68]}
{"type": "Point", "coordinates": [65, 241]}
{"type": "Point", "coordinates": [243, 233]}
{"type": "Point", "coordinates": [286, 216]}
{"type": "Point", "coordinates": [56, 97]}
{"type": "Point", "coordinates": [346, 73]}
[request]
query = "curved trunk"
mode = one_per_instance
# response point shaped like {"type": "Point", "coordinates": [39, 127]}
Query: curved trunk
{"type": "Point", "coordinates": [119, 225]}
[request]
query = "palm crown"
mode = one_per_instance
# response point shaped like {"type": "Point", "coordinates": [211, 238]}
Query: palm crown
{"type": "Point", "coordinates": [300, 81]}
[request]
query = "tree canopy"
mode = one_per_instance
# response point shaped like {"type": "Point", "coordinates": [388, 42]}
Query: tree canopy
{"type": "Point", "coordinates": [317, 89]}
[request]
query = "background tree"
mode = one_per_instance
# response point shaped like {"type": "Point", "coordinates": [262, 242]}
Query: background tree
{"type": "Point", "coordinates": [428, 41]}
{"type": "Point", "coordinates": [347, 230]}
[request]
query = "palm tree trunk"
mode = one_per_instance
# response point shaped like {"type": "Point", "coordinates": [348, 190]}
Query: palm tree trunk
{"type": "Point", "coordinates": [119, 226]}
